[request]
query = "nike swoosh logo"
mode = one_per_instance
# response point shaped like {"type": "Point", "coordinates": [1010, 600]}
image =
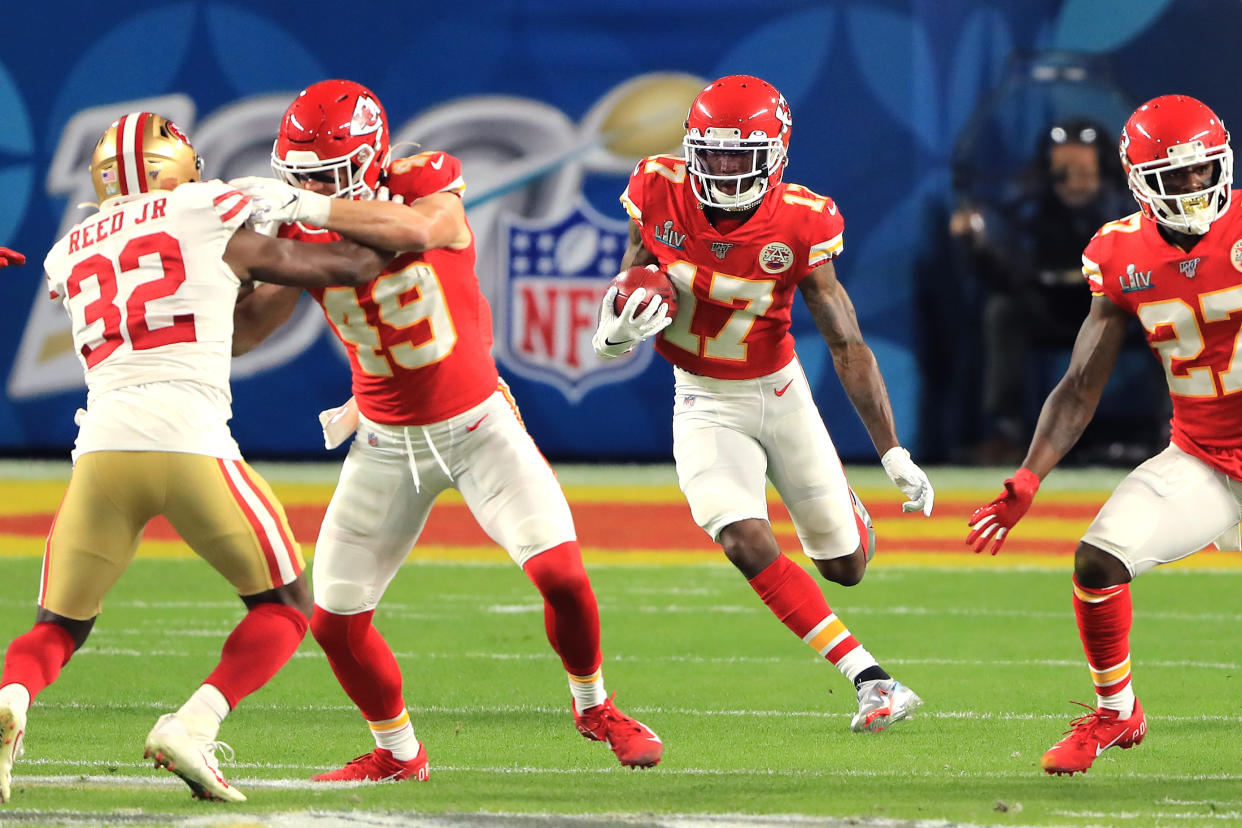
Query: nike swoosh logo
{"type": "Point", "coordinates": [476, 423]}
{"type": "Point", "coordinates": [1101, 748]}
{"type": "Point", "coordinates": [608, 341]}
{"type": "Point", "coordinates": [439, 162]}
{"type": "Point", "coordinates": [780, 392]}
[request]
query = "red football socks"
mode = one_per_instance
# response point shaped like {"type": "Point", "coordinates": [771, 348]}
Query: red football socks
{"type": "Point", "coordinates": [362, 661]}
{"type": "Point", "coordinates": [570, 614]}
{"type": "Point", "coordinates": [34, 659]}
{"type": "Point", "coordinates": [257, 648]}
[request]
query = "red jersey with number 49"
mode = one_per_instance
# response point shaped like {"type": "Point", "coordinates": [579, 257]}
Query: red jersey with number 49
{"type": "Point", "coordinates": [735, 286]}
{"type": "Point", "coordinates": [1190, 305]}
{"type": "Point", "coordinates": [420, 336]}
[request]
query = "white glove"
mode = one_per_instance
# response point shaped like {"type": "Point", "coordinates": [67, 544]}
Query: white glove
{"type": "Point", "coordinates": [910, 479]}
{"type": "Point", "coordinates": [382, 194]}
{"type": "Point", "coordinates": [619, 334]}
{"type": "Point", "coordinates": [275, 201]}
{"type": "Point", "coordinates": [338, 423]}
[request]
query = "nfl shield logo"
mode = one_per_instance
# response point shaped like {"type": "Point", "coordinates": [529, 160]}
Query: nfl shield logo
{"type": "Point", "coordinates": [557, 270]}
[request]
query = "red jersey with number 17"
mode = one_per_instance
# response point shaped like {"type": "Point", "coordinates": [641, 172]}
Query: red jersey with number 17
{"type": "Point", "coordinates": [420, 336]}
{"type": "Point", "coordinates": [1190, 304]}
{"type": "Point", "coordinates": [735, 285]}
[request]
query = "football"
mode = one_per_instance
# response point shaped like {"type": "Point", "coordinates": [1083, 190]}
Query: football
{"type": "Point", "coordinates": [653, 281]}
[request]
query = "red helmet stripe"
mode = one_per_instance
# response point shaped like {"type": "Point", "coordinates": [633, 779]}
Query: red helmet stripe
{"type": "Point", "coordinates": [118, 152]}
{"type": "Point", "coordinates": [129, 161]}
{"type": "Point", "coordinates": [139, 161]}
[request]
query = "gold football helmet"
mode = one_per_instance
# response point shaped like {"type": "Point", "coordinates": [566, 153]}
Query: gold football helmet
{"type": "Point", "coordinates": [141, 152]}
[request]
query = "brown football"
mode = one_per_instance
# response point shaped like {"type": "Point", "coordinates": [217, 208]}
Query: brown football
{"type": "Point", "coordinates": [653, 281]}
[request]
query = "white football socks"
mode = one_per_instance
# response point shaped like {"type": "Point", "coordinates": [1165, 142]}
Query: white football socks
{"type": "Point", "coordinates": [396, 735]}
{"type": "Point", "coordinates": [588, 691]}
{"type": "Point", "coordinates": [204, 711]}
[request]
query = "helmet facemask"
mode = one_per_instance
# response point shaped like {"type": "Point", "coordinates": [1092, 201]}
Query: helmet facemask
{"type": "Point", "coordinates": [762, 160]}
{"type": "Point", "coordinates": [347, 173]}
{"type": "Point", "coordinates": [1191, 213]}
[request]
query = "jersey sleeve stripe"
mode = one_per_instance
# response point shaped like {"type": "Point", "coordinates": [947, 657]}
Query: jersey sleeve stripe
{"type": "Point", "coordinates": [824, 251]}
{"type": "Point", "coordinates": [631, 207]}
{"type": "Point", "coordinates": [238, 206]}
{"type": "Point", "coordinates": [1095, 279]}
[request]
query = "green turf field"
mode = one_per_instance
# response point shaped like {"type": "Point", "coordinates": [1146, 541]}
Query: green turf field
{"type": "Point", "coordinates": [753, 722]}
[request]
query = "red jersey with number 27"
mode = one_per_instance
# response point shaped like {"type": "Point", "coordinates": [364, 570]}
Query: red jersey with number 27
{"type": "Point", "coordinates": [735, 286]}
{"type": "Point", "coordinates": [419, 337]}
{"type": "Point", "coordinates": [1190, 305]}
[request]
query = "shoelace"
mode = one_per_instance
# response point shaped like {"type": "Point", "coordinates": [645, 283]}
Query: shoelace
{"type": "Point", "coordinates": [210, 748]}
{"type": "Point", "coordinates": [1084, 720]}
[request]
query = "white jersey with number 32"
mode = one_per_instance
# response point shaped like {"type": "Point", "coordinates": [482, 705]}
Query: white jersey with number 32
{"type": "Point", "coordinates": [151, 303]}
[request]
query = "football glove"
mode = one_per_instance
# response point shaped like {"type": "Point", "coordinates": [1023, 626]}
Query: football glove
{"type": "Point", "coordinates": [992, 522]}
{"type": "Point", "coordinates": [910, 479]}
{"type": "Point", "coordinates": [11, 257]}
{"type": "Point", "coordinates": [618, 334]}
{"type": "Point", "coordinates": [383, 194]}
{"type": "Point", "coordinates": [277, 202]}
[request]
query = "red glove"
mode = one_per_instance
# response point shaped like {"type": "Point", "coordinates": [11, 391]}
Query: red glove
{"type": "Point", "coordinates": [8, 257]}
{"type": "Point", "coordinates": [993, 521]}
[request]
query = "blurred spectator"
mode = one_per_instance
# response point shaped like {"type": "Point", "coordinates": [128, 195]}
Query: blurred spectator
{"type": "Point", "coordinates": [1028, 252]}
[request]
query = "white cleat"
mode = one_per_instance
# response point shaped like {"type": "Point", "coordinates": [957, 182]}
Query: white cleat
{"type": "Point", "coordinates": [883, 702]}
{"type": "Point", "coordinates": [192, 757]}
{"type": "Point", "coordinates": [12, 729]}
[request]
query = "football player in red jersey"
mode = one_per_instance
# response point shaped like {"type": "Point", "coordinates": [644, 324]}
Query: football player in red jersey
{"type": "Point", "coordinates": [432, 414]}
{"type": "Point", "coordinates": [1176, 265]}
{"type": "Point", "coordinates": [11, 257]}
{"type": "Point", "coordinates": [738, 243]}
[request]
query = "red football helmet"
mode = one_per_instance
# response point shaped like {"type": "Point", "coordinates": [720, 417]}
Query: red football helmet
{"type": "Point", "coordinates": [737, 118]}
{"type": "Point", "coordinates": [334, 131]}
{"type": "Point", "coordinates": [1169, 133]}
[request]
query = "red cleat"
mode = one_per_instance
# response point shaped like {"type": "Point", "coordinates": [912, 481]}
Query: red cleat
{"type": "Point", "coordinates": [379, 766]}
{"type": "Point", "coordinates": [1092, 734]}
{"type": "Point", "coordinates": [635, 744]}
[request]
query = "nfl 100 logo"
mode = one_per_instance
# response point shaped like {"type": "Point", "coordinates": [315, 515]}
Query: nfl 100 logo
{"type": "Point", "coordinates": [557, 270]}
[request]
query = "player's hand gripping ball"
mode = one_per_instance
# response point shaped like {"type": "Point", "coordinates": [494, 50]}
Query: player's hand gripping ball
{"type": "Point", "coordinates": [650, 278]}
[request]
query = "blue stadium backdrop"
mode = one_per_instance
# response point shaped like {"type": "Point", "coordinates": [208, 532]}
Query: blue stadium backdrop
{"type": "Point", "coordinates": [548, 102]}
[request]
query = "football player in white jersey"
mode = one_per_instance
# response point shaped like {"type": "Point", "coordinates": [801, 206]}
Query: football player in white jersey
{"type": "Point", "coordinates": [150, 281]}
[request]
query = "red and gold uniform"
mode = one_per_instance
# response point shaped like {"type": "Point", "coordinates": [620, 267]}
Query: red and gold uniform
{"type": "Point", "coordinates": [735, 286]}
{"type": "Point", "coordinates": [419, 337]}
{"type": "Point", "coordinates": [743, 411]}
{"type": "Point", "coordinates": [1190, 306]}
{"type": "Point", "coordinates": [434, 414]}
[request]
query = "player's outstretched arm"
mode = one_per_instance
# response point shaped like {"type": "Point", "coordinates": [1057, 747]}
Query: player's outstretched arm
{"type": "Point", "coordinates": [1065, 415]}
{"type": "Point", "coordinates": [11, 257]}
{"type": "Point", "coordinates": [285, 267]}
{"type": "Point", "coordinates": [855, 364]}
{"type": "Point", "coordinates": [256, 257]}
{"type": "Point", "coordinates": [431, 222]}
